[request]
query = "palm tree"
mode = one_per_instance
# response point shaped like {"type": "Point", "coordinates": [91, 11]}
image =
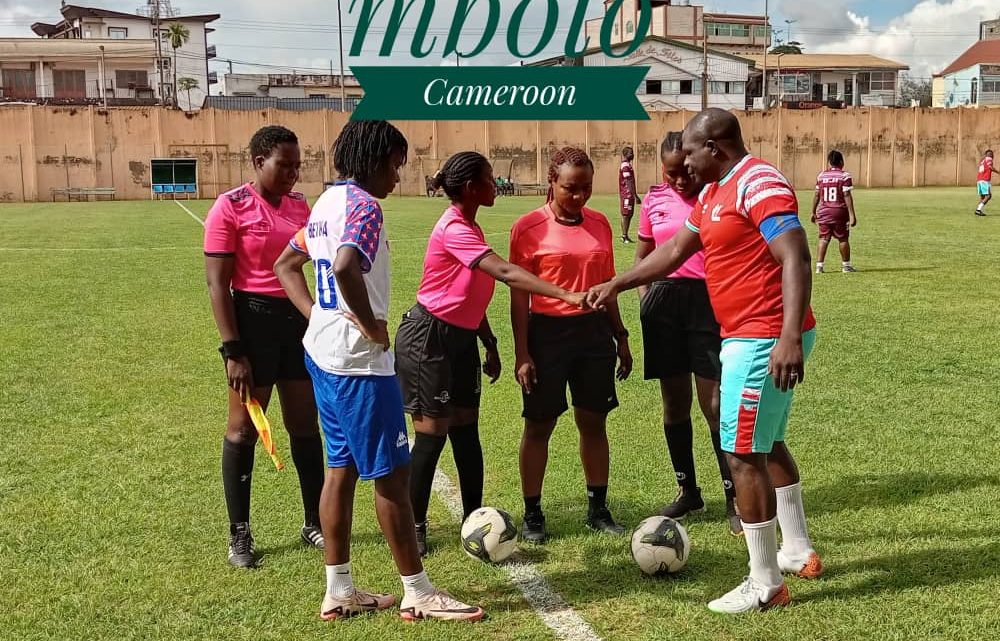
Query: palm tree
{"type": "Point", "coordinates": [178, 35]}
{"type": "Point", "coordinates": [187, 84]}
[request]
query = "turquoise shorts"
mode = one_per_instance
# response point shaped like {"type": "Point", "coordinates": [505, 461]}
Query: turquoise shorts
{"type": "Point", "coordinates": [985, 187]}
{"type": "Point", "coordinates": [754, 412]}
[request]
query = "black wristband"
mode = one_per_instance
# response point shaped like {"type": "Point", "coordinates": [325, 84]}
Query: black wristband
{"type": "Point", "coordinates": [489, 343]}
{"type": "Point", "coordinates": [621, 334]}
{"type": "Point", "coordinates": [232, 349]}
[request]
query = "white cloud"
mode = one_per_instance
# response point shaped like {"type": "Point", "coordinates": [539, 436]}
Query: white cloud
{"type": "Point", "coordinates": [927, 37]}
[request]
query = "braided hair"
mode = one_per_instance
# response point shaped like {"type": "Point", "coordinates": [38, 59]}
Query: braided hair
{"type": "Point", "coordinates": [267, 138]}
{"type": "Point", "coordinates": [458, 170]}
{"type": "Point", "coordinates": [364, 148]}
{"type": "Point", "coordinates": [571, 156]}
{"type": "Point", "coordinates": [673, 142]}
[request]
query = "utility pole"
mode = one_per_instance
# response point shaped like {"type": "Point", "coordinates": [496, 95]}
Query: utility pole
{"type": "Point", "coordinates": [101, 79]}
{"type": "Point", "coordinates": [154, 16]}
{"type": "Point", "coordinates": [704, 66]}
{"type": "Point", "coordinates": [767, 44]}
{"type": "Point", "coordinates": [340, 35]}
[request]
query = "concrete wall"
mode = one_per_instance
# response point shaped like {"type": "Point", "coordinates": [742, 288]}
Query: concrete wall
{"type": "Point", "coordinates": [53, 147]}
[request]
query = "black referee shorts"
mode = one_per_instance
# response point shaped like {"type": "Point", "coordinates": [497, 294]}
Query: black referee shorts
{"type": "Point", "coordinates": [438, 365]}
{"type": "Point", "coordinates": [271, 328]}
{"type": "Point", "coordinates": [679, 331]}
{"type": "Point", "coordinates": [578, 351]}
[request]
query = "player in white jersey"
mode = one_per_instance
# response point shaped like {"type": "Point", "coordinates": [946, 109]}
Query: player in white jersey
{"type": "Point", "coordinates": [357, 393]}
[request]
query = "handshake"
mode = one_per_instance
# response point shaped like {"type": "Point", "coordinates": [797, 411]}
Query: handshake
{"type": "Point", "coordinates": [596, 298]}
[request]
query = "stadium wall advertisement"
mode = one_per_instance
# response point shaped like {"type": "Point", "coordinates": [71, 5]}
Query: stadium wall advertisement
{"type": "Point", "coordinates": [55, 148]}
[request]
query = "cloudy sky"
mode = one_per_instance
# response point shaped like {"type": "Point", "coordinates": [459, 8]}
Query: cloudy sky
{"type": "Point", "coordinates": [259, 35]}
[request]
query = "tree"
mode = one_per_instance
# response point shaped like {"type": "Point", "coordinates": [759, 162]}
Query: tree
{"type": "Point", "coordinates": [178, 35]}
{"type": "Point", "coordinates": [187, 84]}
{"type": "Point", "coordinates": [787, 49]}
{"type": "Point", "coordinates": [915, 90]}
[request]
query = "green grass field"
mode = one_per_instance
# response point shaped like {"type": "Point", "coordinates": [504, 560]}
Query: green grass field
{"type": "Point", "coordinates": [112, 522]}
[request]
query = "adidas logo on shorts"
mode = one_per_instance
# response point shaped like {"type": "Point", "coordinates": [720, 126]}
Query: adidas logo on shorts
{"type": "Point", "coordinates": [402, 441]}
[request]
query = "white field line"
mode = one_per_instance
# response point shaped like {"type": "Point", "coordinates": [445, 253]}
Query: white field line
{"type": "Point", "coordinates": [190, 213]}
{"type": "Point", "coordinates": [564, 622]}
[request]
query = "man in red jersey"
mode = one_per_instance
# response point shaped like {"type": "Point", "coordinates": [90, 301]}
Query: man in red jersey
{"type": "Point", "coordinates": [984, 183]}
{"type": "Point", "coordinates": [833, 210]}
{"type": "Point", "coordinates": [757, 268]}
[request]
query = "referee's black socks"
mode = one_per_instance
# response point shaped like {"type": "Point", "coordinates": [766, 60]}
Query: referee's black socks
{"type": "Point", "coordinates": [680, 443]}
{"type": "Point", "coordinates": [307, 454]}
{"type": "Point", "coordinates": [468, 453]}
{"type": "Point", "coordinates": [423, 462]}
{"type": "Point", "coordinates": [237, 473]}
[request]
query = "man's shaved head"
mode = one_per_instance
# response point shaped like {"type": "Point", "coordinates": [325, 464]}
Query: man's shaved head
{"type": "Point", "coordinates": [718, 125]}
{"type": "Point", "coordinates": [713, 142]}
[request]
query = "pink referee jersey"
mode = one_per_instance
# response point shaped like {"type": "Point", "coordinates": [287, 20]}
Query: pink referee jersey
{"type": "Point", "coordinates": [664, 212]}
{"type": "Point", "coordinates": [244, 225]}
{"type": "Point", "coordinates": [452, 288]}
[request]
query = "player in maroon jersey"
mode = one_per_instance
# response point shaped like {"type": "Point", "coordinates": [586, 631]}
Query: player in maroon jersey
{"type": "Point", "coordinates": [626, 192]}
{"type": "Point", "coordinates": [833, 210]}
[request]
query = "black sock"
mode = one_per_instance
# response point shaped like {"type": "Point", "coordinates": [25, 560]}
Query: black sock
{"type": "Point", "coordinates": [468, 452]}
{"type": "Point", "coordinates": [727, 475]}
{"type": "Point", "coordinates": [237, 473]}
{"type": "Point", "coordinates": [681, 446]}
{"type": "Point", "coordinates": [532, 504]}
{"type": "Point", "coordinates": [307, 454]}
{"type": "Point", "coordinates": [597, 497]}
{"type": "Point", "coordinates": [424, 459]}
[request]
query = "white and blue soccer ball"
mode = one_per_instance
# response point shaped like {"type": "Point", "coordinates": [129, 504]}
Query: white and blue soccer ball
{"type": "Point", "coordinates": [489, 535]}
{"type": "Point", "coordinates": [660, 546]}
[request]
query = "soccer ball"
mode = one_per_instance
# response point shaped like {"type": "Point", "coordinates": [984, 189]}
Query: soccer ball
{"type": "Point", "coordinates": [489, 535]}
{"type": "Point", "coordinates": [660, 546]}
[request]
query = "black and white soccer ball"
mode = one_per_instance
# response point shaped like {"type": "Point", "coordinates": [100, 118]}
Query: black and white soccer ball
{"type": "Point", "coordinates": [489, 535]}
{"type": "Point", "coordinates": [660, 546]}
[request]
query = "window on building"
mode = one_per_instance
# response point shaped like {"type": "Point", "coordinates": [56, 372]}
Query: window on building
{"type": "Point", "coordinates": [975, 91]}
{"type": "Point", "coordinates": [629, 27]}
{"type": "Point", "coordinates": [739, 30]}
{"type": "Point", "coordinates": [671, 87]}
{"type": "Point", "coordinates": [991, 84]}
{"type": "Point", "coordinates": [794, 84]}
{"type": "Point", "coordinates": [131, 79]}
{"type": "Point", "coordinates": [882, 81]}
{"type": "Point", "coordinates": [761, 31]}
{"type": "Point", "coordinates": [18, 83]}
{"type": "Point", "coordinates": [690, 87]}
{"type": "Point", "coordinates": [654, 87]}
{"type": "Point", "coordinates": [717, 28]}
{"type": "Point", "coordinates": [163, 63]}
{"type": "Point", "coordinates": [69, 83]}
{"type": "Point", "coordinates": [117, 33]}
{"type": "Point", "coordinates": [720, 87]}
{"type": "Point", "coordinates": [832, 91]}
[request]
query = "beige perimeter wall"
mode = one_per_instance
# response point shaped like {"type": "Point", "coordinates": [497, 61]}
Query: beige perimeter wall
{"type": "Point", "coordinates": [42, 148]}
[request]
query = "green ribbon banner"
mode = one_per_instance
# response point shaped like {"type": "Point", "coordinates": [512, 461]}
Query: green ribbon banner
{"type": "Point", "coordinates": [500, 93]}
